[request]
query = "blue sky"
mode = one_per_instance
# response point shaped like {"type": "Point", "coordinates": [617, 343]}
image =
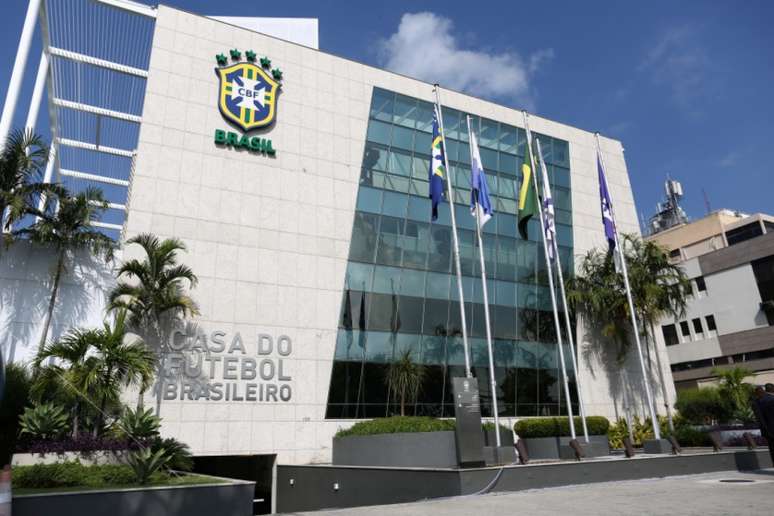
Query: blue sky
{"type": "Point", "coordinates": [687, 86]}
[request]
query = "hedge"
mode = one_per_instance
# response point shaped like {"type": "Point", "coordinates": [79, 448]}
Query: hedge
{"type": "Point", "coordinates": [73, 474]}
{"type": "Point", "coordinates": [405, 424]}
{"type": "Point", "coordinates": [559, 426]}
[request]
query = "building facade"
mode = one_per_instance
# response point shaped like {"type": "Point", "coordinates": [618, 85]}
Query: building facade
{"type": "Point", "coordinates": [729, 320]}
{"type": "Point", "coordinates": [298, 182]}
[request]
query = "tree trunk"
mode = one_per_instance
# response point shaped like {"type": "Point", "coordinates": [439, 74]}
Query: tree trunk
{"type": "Point", "coordinates": [402, 402]}
{"type": "Point", "coordinates": [661, 378]}
{"type": "Point", "coordinates": [52, 301]}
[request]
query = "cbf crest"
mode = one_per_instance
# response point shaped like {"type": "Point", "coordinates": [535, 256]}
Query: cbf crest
{"type": "Point", "coordinates": [248, 90]}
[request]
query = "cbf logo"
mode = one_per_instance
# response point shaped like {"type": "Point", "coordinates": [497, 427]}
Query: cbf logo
{"type": "Point", "coordinates": [248, 94]}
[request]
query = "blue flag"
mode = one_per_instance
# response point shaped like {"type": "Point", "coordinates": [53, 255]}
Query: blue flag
{"type": "Point", "coordinates": [437, 168]}
{"type": "Point", "coordinates": [606, 206]}
{"type": "Point", "coordinates": [480, 204]}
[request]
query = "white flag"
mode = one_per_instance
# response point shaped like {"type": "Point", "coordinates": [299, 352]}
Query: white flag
{"type": "Point", "coordinates": [547, 207]}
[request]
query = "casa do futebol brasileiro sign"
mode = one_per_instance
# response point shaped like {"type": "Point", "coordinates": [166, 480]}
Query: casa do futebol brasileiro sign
{"type": "Point", "coordinates": [247, 99]}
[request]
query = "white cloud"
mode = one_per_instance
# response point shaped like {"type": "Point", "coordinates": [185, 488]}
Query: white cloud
{"type": "Point", "coordinates": [425, 46]}
{"type": "Point", "coordinates": [730, 160]}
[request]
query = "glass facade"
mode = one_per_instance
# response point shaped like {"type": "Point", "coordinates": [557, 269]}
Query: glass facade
{"type": "Point", "coordinates": [401, 292]}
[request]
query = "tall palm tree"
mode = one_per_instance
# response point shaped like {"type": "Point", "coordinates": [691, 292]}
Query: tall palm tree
{"type": "Point", "coordinates": [101, 362]}
{"type": "Point", "coordinates": [659, 288]}
{"type": "Point", "coordinates": [404, 378]}
{"type": "Point", "coordinates": [156, 286]}
{"type": "Point", "coordinates": [153, 291]}
{"type": "Point", "coordinates": [68, 230]}
{"type": "Point", "coordinates": [22, 163]}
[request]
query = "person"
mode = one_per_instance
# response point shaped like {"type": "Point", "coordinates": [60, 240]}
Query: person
{"type": "Point", "coordinates": [763, 406]}
{"type": "Point", "coordinates": [769, 387]}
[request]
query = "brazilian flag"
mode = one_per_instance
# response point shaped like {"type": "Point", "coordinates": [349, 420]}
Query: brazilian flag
{"type": "Point", "coordinates": [528, 204]}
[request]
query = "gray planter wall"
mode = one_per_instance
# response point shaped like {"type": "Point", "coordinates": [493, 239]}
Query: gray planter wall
{"type": "Point", "coordinates": [559, 447]}
{"type": "Point", "coordinates": [420, 449]}
{"type": "Point", "coordinates": [232, 499]}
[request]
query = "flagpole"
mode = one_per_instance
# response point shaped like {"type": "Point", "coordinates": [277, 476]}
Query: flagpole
{"type": "Point", "coordinates": [632, 313]}
{"type": "Point", "coordinates": [492, 382]}
{"type": "Point", "coordinates": [551, 284]}
{"type": "Point", "coordinates": [568, 326]}
{"type": "Point", "coordinates": [457, 267]}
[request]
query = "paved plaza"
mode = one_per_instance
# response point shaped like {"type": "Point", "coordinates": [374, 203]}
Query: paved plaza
{"type": "Point", "coordinates": [724, 493]}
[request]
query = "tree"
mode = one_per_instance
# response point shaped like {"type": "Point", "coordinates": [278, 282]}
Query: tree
{"type": "Point", "coordinates": [404, 379]}
{"type": "Point", "coordinates": [659, 288]}
{"type": "Point", "coordinates": [734, 392]}
{"type": "Point", "coordinates": [67, 230]}
{"type": "Point", "coordinates": [22, 163]}
{"type": "Point", "coordinates": [153, 290]}
{"type": "Point", "coordinates": [102, 362]}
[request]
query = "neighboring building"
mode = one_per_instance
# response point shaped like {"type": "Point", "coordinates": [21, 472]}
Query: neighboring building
{"type": "Point", "coordinates": [312, 240]}
{"type": "Point", "coordinates": [730, 318]}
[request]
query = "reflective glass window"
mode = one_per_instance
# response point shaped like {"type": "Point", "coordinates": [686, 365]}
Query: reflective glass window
{"type": "Point", "coordinates": [379, 132]}
{"type": "Point", "coordinates": [382, 103]}
{"type": "Point", "coordinates": [405, 111]}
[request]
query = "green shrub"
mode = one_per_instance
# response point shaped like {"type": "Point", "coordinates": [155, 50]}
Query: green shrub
{"type": "Point", "coordinates": [44, 421]}
{"type": "Point", "coordinates": [146, 462]}
{"type": "Point", "coordinates": [178, 453]}
{"type": "Point", "coordinates": [702, 406]}
{"type": "Point", "coordinates": [689, 436]}
{"type": "Point", "coordinates": [19, 382]}
{"type": "Point", "coordinates": [138, 424]}
{"type": "Point", "coordinates": [559, 426]}
{"type": "Point", "coordinates": [71, 474]}
{"type": "Point", "coordinates": [397, 424]}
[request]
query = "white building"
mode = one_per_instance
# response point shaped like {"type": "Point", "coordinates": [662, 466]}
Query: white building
{"type": "Point", "coordinates": [311, 235]}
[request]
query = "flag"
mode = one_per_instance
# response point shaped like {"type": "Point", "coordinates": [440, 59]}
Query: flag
{"type": "Point", "coordinates": [528, 205]}
{"type": "Point", "coordinates": [547, 207]}
{"type": "Point", "coordinates": [437, 167]}
{"type": "Point", "coordinates": [480, 204]}
{"type": "Point", "coordinates": [346, 318]}
{"type": "Point", "coordinates": [607, 207]}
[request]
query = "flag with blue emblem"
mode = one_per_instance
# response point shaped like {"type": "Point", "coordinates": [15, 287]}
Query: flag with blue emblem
{"type": "Point", "coordinates": [437, 167]}
{"type": "Point", "coordinates": [480, 204]}
{"type": "Point", "coordinates": [547, 206]}
{"type": "Point", "coordinates": [606, 206]}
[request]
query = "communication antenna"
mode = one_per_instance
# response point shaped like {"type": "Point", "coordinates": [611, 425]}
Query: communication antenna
{"type": "Point", "coordinates": [668, 213]}
{"type": "Point", "coordinates": [706, 201]}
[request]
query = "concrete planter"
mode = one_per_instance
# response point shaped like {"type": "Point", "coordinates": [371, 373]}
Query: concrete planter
{"type": "Point", "coordinates": [86, 458]}
{"type": "Point", "coordinates": [559, 447]}
{"type": "Point", "coordinates": [506, 438]}
{"type": "Point", "coordinates": [407, 450]}
{"type": "Point", "coordinates": [231, 499]}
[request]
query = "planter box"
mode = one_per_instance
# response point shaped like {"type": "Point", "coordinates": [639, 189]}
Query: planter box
{"type": "Point", "coordinates": [232, 499]}
{"type": "Point", "coordinates": [559, 447]}
{"type": "Point", "coordinates": [86, 458]}
{"type": "Point", "coordinates": [506, 438]}
{"type": "Point", "coordinates": [407, 450]}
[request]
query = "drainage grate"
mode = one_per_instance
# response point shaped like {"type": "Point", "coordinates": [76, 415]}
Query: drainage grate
{"type": "Point", "coordinates": [736, 481]}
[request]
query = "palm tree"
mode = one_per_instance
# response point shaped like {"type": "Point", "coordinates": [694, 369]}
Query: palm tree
{"type": "Point", "coordinates": [155, 293]}
{"type": "Point", "coordinates": [68, 230]}
{"type": "Point", "coordinates": [157, 288]}
{"type": "Point", "coordinates": [100, 363]}
{"type": "Point", "coordinates": [22, 163]}
{"type": "Point", "coordinates": [404, 378]}
{"type": "Point", "coordinates": [735, 392]}
{"type": "Point", "coordinates": [659, 288]}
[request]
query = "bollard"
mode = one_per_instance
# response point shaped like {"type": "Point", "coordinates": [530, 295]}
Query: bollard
{"type": "Point", "coordinates": [750, 440]}
{"type": "Point", "coordinates": [717, 444]}
{"type": "Point", "coordinates": [522, 449]}
{"type": "Point", "coordinates": [576, 447]}
{"type": "Point", "coordinates": [676, 449]}
{"type": "Point", "coordinates": [628, 448]}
